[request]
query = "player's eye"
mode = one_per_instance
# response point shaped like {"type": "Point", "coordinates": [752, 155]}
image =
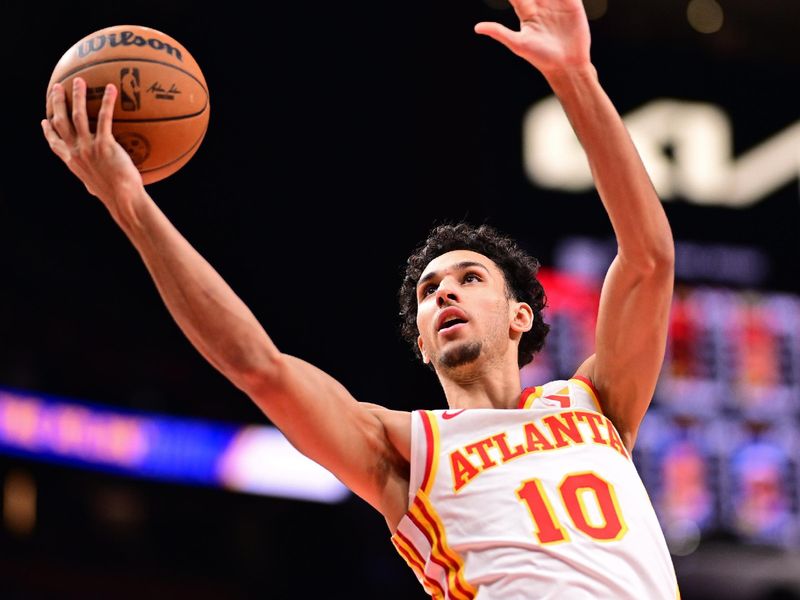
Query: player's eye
{"type": "Point", "coordinates": [428, 290]}
{"type": "Point", "coordinates": [470, 277]}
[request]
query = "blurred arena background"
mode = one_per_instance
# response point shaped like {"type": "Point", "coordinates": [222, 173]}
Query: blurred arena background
{"type": "Point", "coordinates": [339, 135]}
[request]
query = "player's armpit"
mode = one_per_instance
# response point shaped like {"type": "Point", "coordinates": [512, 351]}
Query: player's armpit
{"type": "Point", "coordinates": [398, 427]}
{"type": "Point", "coordinates": [324, 422]}
{"type": "Point", "coordinates": [586, 369]}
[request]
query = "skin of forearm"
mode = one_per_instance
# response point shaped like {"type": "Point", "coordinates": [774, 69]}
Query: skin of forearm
{"type": "Point", "coordinates": [639, 222]}
{"type": "Point", "coordinates": [206, 309]}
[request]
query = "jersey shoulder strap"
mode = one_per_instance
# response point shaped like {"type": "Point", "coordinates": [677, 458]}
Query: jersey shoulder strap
{"type": "Point", "coordinates": [578, 392]}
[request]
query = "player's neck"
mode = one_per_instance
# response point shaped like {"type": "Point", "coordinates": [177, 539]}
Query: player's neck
{"type": "Point", "coordinates": [494, 386]}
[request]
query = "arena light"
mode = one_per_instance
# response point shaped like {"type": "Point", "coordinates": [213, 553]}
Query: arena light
{"type": "Point", "coordinates": [19, 502]}
{"type": "Point", "coordinates": [253, 459]}
{"type": "Point", "coordinates": [705, 16]}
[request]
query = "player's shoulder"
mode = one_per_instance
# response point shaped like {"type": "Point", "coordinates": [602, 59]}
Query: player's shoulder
{"type": "Point", "coordinates": [382, 412]}
{"type": "Point", "coordinates": [389, 417]}
{"type": "Point", "coordinates": [379, 408]}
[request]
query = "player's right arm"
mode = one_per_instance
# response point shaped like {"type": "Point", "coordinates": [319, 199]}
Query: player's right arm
{"type": "Point", "coordinates": [313, 410]}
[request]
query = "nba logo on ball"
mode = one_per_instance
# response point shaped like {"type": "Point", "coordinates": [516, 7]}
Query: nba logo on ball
{"type": "Point", "coordinates": [129, 89]}
{"type": "Point", "coordinates": [162, 109]}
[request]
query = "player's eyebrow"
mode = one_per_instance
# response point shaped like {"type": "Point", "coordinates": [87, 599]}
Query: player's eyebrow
{"type": "Point", "coordinates": [466, 264]}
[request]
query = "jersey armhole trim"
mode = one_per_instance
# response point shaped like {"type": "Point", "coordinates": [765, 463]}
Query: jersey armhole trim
{"type": "Point", "coordinates": [528, 396]}
{"type": "Point", "coordinates": [431, 429]}
{"type": "Point", "coordinates": [587, 385]}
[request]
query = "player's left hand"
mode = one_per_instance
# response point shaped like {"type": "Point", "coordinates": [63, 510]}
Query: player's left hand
{"type": "Point", "coordinates": [553, 34]}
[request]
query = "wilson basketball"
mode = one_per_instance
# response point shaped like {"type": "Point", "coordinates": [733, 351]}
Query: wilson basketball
{"type": "Point", "coordinates": [162, 108]}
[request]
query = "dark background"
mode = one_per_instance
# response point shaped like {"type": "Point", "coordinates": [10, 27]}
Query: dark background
{"type": "Point", "coordinates": [339, 135]}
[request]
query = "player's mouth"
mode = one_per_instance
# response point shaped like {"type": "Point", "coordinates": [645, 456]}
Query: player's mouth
{"type": "Point", "coordinates": [451, 319]}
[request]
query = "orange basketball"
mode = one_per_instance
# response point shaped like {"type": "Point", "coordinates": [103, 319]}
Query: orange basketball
{"type": "Point", "coordinates": [161, 112]}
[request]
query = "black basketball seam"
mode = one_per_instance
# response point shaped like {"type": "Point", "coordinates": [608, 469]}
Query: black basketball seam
{"type": "Point", "coordinates": [148, 60]}
{"type": "Point", "coordinates": [156, 120]}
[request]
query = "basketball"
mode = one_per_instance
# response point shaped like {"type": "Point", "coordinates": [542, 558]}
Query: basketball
{"type": "Point", "coordinates": [162, 108]}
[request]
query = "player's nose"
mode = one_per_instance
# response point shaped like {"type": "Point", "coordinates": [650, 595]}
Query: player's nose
{"type": "Point", "coordinates": [446, 293]}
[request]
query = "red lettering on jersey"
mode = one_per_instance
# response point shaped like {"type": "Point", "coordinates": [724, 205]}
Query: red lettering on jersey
{"type": "Point", "coordinates": [481, 448]}
{"type": "Point", "coordinates": [563, 423]}
{"type": "Point", "coordinates": [508, 454]}
{"type": "Point", "coordinates": [535, 440]}
{"type": "Point", "coordinates": [593, 419]}
{"type": "Point", "coordinates": [463, 470]}
{"type": "Point", "coordinates": [565, 430]}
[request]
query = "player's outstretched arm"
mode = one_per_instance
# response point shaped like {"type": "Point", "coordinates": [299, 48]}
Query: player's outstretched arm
{"type": "Point", "coordinates": [315, 412]}
{"type": "Point", "coordinates": [637, 292]}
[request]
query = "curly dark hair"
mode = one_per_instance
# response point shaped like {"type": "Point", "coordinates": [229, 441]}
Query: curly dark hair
{"type": "Point", "coordinates": [518, 267]}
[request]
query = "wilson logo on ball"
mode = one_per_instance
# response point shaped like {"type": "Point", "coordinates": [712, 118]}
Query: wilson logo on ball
{"type": "Point", "coordinates": [125, 38]}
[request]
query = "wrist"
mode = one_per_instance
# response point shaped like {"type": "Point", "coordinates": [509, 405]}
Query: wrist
{"type": "Point", "coordinates": [571, 79]}
{"type": "Point", "coordinates": [128, 206]}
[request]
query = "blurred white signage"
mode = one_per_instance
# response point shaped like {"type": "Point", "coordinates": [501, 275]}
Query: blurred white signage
{"type": "Point", "coordinates": [687, 148]}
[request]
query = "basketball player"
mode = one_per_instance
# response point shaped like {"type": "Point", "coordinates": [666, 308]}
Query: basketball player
{"type": "Point", "coordinates": [510, 493]}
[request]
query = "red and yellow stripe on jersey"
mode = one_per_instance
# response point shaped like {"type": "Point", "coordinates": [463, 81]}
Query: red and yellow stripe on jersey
{"type": "Point", "coordinates": [422, 533]}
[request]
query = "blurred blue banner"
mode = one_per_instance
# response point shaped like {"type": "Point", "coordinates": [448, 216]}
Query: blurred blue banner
{"type": "Point", "coordinates": [254, 459]}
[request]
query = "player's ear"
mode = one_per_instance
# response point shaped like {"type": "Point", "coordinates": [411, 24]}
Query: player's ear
{"type": "Point", "coordinates": [425, 358]}
{"type": "Point", "coordinates": [522, 317]}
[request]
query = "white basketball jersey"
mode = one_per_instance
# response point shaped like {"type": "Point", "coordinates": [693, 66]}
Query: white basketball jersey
{"type": "Point", "coordinates": [540, 502]}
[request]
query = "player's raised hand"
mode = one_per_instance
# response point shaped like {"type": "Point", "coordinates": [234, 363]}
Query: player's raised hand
{"type": "Point", "coordinates": [553, 34]}
{"type": "Point", "coordinates": [96, 159]}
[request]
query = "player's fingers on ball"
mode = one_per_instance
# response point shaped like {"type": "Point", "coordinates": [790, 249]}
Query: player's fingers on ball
{"type": "Point", "coordinates": [61, 122]}
{"type": "Point", "coordinates": [106, 115]}
{"type": "Point", "coordinates": [79, 117]}
{"type": "Point", "coordinates": [57, 145]}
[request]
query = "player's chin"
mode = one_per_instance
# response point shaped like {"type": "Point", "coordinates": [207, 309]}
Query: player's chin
{"type": "Point", "coordinates": [460, 354]}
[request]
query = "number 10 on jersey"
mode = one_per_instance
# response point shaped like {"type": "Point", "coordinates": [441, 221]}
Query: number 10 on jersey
{"type": "Point", "coordinates": [577, 492]}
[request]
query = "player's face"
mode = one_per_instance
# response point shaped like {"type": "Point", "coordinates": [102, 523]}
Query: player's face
{"type": "Point", "coordinates": [463, 310]}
